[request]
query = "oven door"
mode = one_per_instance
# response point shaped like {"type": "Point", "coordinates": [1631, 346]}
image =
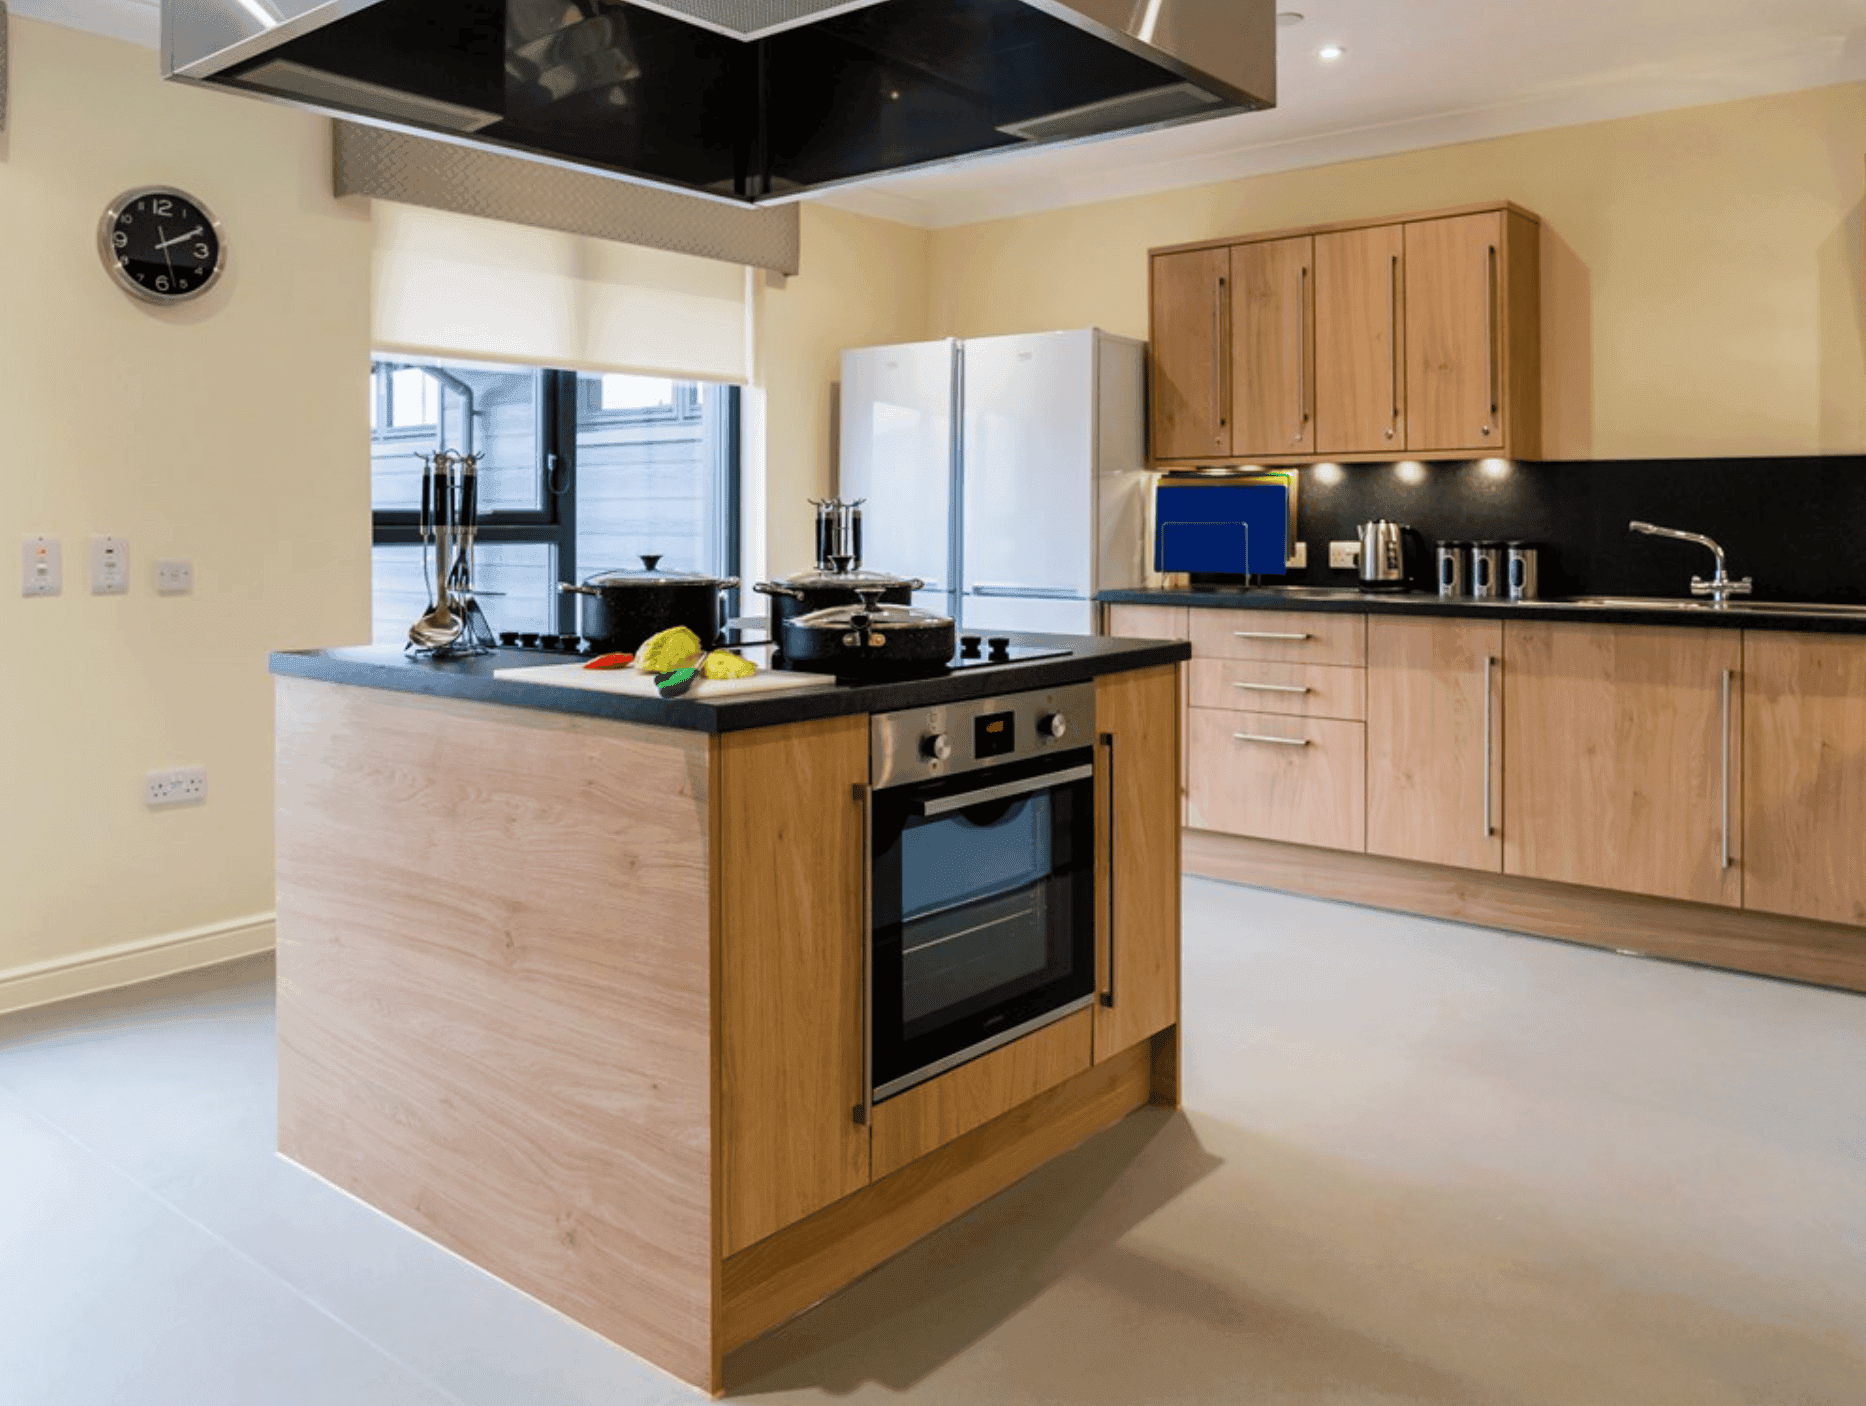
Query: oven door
{"type": "Point", "coordinates": [984, 912]}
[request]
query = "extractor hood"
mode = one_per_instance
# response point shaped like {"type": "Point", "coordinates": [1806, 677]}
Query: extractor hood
{"type": "Point", "coordinates": [752, 101]}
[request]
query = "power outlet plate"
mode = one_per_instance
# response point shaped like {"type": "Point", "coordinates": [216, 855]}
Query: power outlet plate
{"type": "Point", "coordinates": [1298, 557]}
{"type": "Point", "coordinates": [174, 577]}
{"type": "Point", "coordinates": [110, 566]}
{"type": "Point", "coordinates": [1344, 556]}
{"type": "Point", "coordinates": [180, 786]}
{"type": "Point", "coordinates": [40, 571]}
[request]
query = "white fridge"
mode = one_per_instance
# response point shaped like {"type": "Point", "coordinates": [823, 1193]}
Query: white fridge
{"type": "Point", "coordinates": [1007, 472]}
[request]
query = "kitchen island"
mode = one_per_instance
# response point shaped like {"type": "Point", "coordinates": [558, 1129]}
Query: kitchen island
{"type": "Point", "coordinates": [577, 984]}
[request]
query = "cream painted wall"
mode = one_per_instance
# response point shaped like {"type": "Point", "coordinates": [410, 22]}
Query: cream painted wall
{"type": "Point", "coordinates": [232, 431]}
{"type": "Point", "coordinates": [1702, 268]}
{"type": "Point", "coordinates": [862, 282]}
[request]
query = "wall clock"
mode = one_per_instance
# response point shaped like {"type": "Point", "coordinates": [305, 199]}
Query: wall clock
{"type": "Point", "coordinates": [161, 244]}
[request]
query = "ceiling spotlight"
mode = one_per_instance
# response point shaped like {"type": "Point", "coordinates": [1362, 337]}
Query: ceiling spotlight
{"type": "Point", "coordinates": [1289, 17]}
{"type": "Point", "coordinates": [1330, 52]}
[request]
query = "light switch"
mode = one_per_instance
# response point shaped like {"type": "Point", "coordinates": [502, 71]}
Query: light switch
{"type": "Point", "coordinates": [110, 566]}
{"type": "Point", "coordinates": [40, 569]}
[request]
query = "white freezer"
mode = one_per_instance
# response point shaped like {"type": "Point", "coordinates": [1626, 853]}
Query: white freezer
{"type": "Point", "coordinates": [981, 615]}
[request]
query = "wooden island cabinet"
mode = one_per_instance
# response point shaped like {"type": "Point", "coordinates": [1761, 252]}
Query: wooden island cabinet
{"type": "Point", "coordinates": [582, 998]}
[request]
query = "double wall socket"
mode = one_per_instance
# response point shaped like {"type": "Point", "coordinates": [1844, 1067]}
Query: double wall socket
{"type": "Point", "coordinates": [182, 786]}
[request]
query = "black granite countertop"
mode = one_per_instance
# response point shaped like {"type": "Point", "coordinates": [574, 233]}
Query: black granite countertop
{"type": "Point", "coordinates": [389, 668]}
{"type": "Point", "coordinates": [1745, 615]}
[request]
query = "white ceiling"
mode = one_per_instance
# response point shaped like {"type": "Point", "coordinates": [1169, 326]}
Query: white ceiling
{"type": "Point", "coordinates": [1417, 73]}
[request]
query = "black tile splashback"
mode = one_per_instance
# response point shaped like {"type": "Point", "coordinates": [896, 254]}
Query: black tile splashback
{"type": "Point", "coordinates": [1798, 526]}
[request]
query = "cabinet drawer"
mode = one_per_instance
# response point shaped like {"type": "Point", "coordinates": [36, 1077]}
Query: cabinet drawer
{"type": "Point", "coordinates": [1280, 636]}
{"type": "Point", "coordinates": [1301, 690]}
{"type": "Point", "coordinates": [1277, 777]}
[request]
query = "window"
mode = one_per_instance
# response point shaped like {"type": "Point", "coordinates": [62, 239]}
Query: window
{"type": "Point", "coordinates": [579, 474]}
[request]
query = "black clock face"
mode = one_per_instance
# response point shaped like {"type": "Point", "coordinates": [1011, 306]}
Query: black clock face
{"type": "Point", "coordinates": [162, 245]}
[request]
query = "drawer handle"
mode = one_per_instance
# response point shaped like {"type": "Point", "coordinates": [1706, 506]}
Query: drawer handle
{"type": "Point", "coordinates": [1268, 635]}
{"type": "Point", "coordinates": [1265, 737]}
{"type": "Point", "coordinates": [1273, 687]}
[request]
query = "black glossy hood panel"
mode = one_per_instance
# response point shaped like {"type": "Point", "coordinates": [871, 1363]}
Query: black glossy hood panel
{"type": "Point", "coordinates": [627, 89]}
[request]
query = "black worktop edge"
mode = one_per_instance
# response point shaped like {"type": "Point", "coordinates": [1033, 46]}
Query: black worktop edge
{"type": "Point", "coordinates": [1410, 603]}
{"type": "Point", "coordinates": [472, 680]}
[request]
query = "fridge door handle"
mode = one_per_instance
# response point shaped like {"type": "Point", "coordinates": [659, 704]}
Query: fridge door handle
{"type": "Point", "coordinates": [983, 588]}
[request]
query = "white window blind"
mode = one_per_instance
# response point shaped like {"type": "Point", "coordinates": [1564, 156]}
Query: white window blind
{"type": "Point", "coordinates": [457, 285]}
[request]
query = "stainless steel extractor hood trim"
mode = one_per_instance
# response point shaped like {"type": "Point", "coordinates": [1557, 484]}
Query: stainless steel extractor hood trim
{"type": "Point", "coordinates": [295, 17]}
{"type": "Point", "coordinates": [677, 12]}
{"type": "Point", "coordinates": [1148, 30]}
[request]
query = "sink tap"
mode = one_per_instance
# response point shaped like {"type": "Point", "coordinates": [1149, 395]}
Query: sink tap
{"type": "Point", "coordinates": [1720, 587]}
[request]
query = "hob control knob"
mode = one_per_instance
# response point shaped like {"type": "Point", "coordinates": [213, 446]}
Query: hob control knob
{"type": "Point", "coordinates": [1053, 726]}
{"type": "Point", "coordinates": [936, 747]}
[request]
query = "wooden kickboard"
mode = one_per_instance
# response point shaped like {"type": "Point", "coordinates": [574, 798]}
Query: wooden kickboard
{"type": "Point", "coordinates": [636, 684]}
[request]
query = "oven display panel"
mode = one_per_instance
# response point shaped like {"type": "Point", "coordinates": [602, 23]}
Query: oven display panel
{"type": "Point", "coordinates": [994, 735]}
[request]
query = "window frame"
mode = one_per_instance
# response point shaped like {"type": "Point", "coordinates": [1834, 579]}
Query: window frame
{"type": "Point", "coordinates": [557, 401]}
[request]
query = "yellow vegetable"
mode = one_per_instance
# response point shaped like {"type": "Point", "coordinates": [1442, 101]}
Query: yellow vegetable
{"type": "Point", "coordinates": [721, 665]}
{"type": "Point", "coordinates": [667, 651]}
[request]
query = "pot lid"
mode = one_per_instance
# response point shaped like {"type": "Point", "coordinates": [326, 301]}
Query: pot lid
{"type": "Point", "coordinates": [652, 575]}
{"type": "Point", "coordinates": [875, 617]}
{"type": "Point", "coordinates": [818, 579]}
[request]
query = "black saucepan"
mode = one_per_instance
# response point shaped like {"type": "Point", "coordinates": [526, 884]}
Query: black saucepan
{"type": "Point", "coordinates": [869, 640]}
{"type": "Point", "coordinates": [622, 609]}
{"type": "Point", "coordinates": [810, 591]}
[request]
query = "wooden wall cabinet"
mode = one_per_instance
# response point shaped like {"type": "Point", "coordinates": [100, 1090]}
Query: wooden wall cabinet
{"type": "Point", "coordinates": [1369, 339]}
{"type": "Point", "coordinates": [1360, 340]}
{"type": "Point", "coordinates": [1188, 366]}
{"type": "Point", "coordinates": [1435, 741]}
{"type": "Point", "coordinates": [1804, 760]}
{"type": "Point", "coordinates": [1272, 355]}
{"type": "Point", "coordinates": [1622, 758]}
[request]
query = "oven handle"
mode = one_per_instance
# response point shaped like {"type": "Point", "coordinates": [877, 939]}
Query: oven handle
{"type": "Point", "coordinates": [945, 805]}
{"type": "Point", "coordinates": [865, 1107]}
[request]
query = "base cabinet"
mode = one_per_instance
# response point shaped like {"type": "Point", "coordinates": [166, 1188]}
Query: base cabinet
{"type": "Point", "coordinates": [1804, 758]}
{"type": "Point", "coordinates": [1138, 716]}
{"type": "Point", "coordinates": [1435, 741]}
{"type": "Point", "coordinates": [1278, 777]}
{"type": "Point", "coordinates": [1622, 758]}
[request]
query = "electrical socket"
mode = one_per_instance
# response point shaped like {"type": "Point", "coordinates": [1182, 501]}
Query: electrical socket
{"type": "Point", "coordinates": [1344, 556]}
{"type": "Point", "coordinates": [181, 786]}
{"type": "Point", "coordinates": [174, 576]}
{"type": "Point", "coordinates": [1298, 557]}
{"type": "Point", "coordinates": [110, 566]}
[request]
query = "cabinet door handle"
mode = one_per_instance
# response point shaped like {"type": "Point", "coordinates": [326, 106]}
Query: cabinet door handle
{"type": "Point", "coordinates": [1107, 995]}
{"type": "Point", "coordinates": [1490, 334]}
{"type": "Point", "coordinates": [1729, 683]}
{"type": "Point", "coordinates": [1490, 694]}
{"type": "Point", "coordinates": [1268, 635]}
{"type": "Point", "coordinates": [1265, 737]}
{"type": "Point", "coordinates": [1302, 355]}
{"type": "Point", "coordinates": [1393, 347]}
{"type": "Point", "coordinates": [1221, 358]}
{"type": "Point", "coordinates": [1273, 687]}
{"type": "Point", "coordinates": [865, 1103]}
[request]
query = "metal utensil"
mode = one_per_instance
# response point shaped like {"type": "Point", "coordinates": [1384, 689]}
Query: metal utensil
{"type": "Point", "coordinates": [439, 626]}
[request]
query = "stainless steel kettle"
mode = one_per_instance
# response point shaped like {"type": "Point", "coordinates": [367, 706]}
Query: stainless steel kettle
{"type": "Point", "coordinates": [1383, 554]}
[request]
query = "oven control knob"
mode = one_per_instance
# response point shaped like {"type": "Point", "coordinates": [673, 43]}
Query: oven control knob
{"type": "Point", "coordinates": [936, 747]}
{"type": "Point", "coordinates": [1053, 726]}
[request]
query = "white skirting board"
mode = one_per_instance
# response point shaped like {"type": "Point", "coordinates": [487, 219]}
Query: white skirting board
{"type": "Point", "coordinates": [127, 963]}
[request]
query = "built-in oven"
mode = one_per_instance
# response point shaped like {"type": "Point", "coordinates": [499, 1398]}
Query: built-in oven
{"type": "Point", "coordinates": [981, 887]}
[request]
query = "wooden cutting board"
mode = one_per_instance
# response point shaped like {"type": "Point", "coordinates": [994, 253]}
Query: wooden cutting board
{"type": "Point", "coordinates": [636, 684]}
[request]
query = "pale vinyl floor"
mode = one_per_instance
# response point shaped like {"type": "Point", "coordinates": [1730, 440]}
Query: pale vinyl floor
{"type": "Point", "coordinates": [1418, 1163]}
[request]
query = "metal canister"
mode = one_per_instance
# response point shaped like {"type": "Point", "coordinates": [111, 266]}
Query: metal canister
{"type": "Point", "coordinates": [1524, 566]}
{"type": "Point", "coordinates": [1487, 571]}
{"type": "Point", "coordinates": [1454, 568]}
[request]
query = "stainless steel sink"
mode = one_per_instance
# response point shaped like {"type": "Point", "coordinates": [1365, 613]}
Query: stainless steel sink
{"type": "Point", "coordinates": [1735, 607]}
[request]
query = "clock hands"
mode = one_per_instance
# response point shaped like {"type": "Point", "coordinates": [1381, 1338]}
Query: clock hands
{"type": "Point", "coordinates": [165, 254]}
{"type": "Point", "coordinates": [180, 238]}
